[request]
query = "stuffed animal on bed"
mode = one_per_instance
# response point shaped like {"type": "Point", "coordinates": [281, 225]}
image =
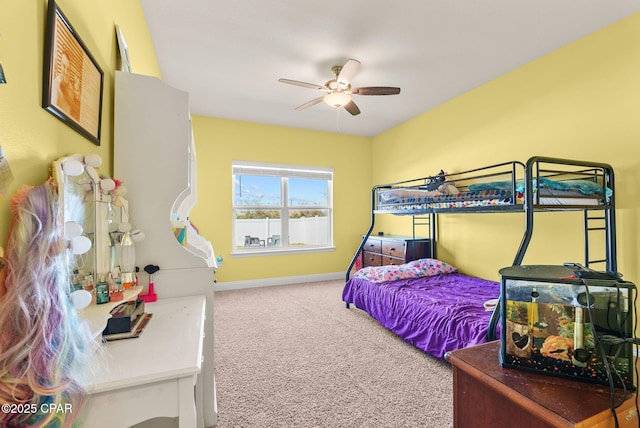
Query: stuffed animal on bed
{"type": "Point", "coordinates": [441, 184]}
{"type": "Point", "coordinates": [448, 188]}
{"type": "Point", "coordinates": [435, 181]}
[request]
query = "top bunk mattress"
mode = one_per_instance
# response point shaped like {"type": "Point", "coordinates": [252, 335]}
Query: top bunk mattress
{"type": "Point", "coordinates": [414, 199]}
{"type": "Point", "coordinates": [468, 191]}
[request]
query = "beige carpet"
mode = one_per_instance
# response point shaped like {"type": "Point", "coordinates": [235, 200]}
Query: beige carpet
{"type": "Point", "coordinates": [294, 356]}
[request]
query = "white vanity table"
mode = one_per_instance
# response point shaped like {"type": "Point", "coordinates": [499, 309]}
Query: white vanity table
{"type": "Point", "coordinates": [169, 370]}
{"type": "Point", "coordinates": [155, 374]}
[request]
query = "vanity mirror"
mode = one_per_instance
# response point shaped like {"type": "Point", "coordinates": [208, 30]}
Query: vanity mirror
{"type": "Point", "coordinates": [76, 190]}
{"type": "Point", "coordinates": [94, 210]}
{"type": "Point", "coordinates": [94, 214]}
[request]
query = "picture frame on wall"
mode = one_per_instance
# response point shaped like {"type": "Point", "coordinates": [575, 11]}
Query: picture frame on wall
{"type": "Point", "coordinates": [123, 52]}
{"type": "Point", "coordinates": [72, 79]}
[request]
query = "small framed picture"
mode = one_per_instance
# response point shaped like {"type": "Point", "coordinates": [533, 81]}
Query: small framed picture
{"type": "Point", "coordinates": [123, 52]}
{"type": "Point", "coordinates": [72, 79]}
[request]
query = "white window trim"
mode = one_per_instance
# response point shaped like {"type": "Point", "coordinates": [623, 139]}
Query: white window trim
{"type": "Point", "coordinates": [279, 252]}
{"type": "Point", "coordinates": [282, 170]}
{"type": "Point", "coordinates": [241, 167]}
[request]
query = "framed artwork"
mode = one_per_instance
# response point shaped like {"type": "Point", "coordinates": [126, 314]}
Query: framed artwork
{"type": "Point", "coordinates": [123, 52]}
{"type": "Point", "coordinates": [72, 79]}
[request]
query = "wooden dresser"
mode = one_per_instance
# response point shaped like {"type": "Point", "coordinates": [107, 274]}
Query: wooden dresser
{"type": "Point", "coordinates": [394, 250]}
{"type": "Point", "coordinates": [488, 395]}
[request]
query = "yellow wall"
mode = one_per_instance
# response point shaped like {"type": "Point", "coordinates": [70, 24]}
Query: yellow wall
{"type": "Point", "coordinates": [219, 141]}
{"type": "Point", "coordinates": [579, 102]}
{"type": "Point", "coordinates": [30, 136]}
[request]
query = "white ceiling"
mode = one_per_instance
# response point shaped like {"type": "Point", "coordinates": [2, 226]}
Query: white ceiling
{"type": "Point", "coordinates": [230, 54]}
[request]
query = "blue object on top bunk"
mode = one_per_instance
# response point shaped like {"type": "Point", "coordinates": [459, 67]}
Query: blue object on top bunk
{"type": "Point", "coordinates": [585, 187]}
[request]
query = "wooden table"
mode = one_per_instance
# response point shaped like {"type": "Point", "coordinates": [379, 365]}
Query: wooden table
{"type": "Point", "coordinates": [153, 375]}
{"type": "Point", "coordinates": [487, 395]}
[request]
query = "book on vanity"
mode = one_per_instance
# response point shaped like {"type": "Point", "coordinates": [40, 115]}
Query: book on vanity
{"type": "Point", "coordinates": [124, 316]}
{"type": "Point", "coordinates": [136, 330]}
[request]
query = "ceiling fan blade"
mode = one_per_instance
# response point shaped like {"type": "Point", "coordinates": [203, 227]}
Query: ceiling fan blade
{"type": "Point", "coordinates": [352, 108]}
{"type": "Point", "coordinates": [310, 103]}
{"type": "Point", "coordinates": [376, 90]}
{"type": "Point", "coordinates": [303, 84]}
{"type": "Point", "coordinates": [349, 69]}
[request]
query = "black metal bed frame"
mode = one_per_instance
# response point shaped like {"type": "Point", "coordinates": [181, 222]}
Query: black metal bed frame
{"type": "Point", "coordinates": [531, 172]}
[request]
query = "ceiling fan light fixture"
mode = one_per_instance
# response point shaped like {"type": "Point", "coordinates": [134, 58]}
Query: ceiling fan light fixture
{"type": "Point", "coordinates": [339, 90]}
{"type": "Point", "coordinates": [337, 99]}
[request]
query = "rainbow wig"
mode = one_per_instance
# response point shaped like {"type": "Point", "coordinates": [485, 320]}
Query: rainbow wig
{"type": "Point", "coordinates": [44, 346]}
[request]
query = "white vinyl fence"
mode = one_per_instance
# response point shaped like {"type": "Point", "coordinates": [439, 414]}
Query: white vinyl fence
{"type": "Point", "coordinates": [302, 231]}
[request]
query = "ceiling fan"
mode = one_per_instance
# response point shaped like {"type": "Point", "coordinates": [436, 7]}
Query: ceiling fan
{"type": "Point", "coordinates": [338, 90]}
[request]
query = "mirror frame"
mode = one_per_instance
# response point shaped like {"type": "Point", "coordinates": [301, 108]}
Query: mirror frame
{"type": "Point", "coordinates": [102, 204]}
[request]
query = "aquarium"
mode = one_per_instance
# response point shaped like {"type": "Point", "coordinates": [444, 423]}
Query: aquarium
{"type": "Point", "coordinates": [557, 323]}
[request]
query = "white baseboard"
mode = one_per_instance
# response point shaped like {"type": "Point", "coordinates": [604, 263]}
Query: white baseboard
{"type": "Point", "coordinates": [266, 282]}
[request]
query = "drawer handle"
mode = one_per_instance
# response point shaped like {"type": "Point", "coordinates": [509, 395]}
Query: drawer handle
{"type": "Point", "coordinates": [392, 249]}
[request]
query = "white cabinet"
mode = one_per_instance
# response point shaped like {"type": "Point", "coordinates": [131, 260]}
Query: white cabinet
{"type": "Point", "coordinates": [133, 386]}
{"type": "Point", "coordinates": [154, 156]}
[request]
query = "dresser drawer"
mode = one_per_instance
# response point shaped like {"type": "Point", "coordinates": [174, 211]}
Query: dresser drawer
{"type": "Point", "coordinates": [387, 260]}
{"type": "Point", "coordinates": [371, 259]}
{"type": "Point", "coordinates": [393, 248]}
{"type": "Point", "coordinates": [373, 245]}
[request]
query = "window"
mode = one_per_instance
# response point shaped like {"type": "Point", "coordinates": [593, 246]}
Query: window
{"type": "Point", "coordinates": [281, 208]}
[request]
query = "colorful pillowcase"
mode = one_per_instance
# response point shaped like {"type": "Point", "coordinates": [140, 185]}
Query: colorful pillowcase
{"type": "Point", "coordinates": [432, 267]}
{"type": "Point", "coordinates": [388, 273]}
{"type": "Point", "coordinates": [414, 269]}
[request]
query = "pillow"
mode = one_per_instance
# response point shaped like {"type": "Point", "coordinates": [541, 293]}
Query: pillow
{"type": "Point", "coordinates": [388, 273]}
{"type": "Point", "coordinates": [414, 269]}
{"type": "Point", "coordinates": [432, 267]}
{"type": "Point", "coordinates": [585, 187]}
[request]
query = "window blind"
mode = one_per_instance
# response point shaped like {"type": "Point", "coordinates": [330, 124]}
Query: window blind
{"type": "Point", "coordinates": [278, 170]}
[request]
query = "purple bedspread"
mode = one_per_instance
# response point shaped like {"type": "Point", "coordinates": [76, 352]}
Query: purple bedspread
{"type": "Point", "coordinates": [436, 314]}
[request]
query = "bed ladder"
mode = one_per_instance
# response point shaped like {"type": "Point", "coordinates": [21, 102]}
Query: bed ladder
{"type": "Point", "coordinates": [598, 221]}
{"type": "Point", "coordinates": [428, 220]}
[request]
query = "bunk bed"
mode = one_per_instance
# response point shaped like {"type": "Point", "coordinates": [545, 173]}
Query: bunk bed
{"type": "Point", "coordinates": [428, 302]}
